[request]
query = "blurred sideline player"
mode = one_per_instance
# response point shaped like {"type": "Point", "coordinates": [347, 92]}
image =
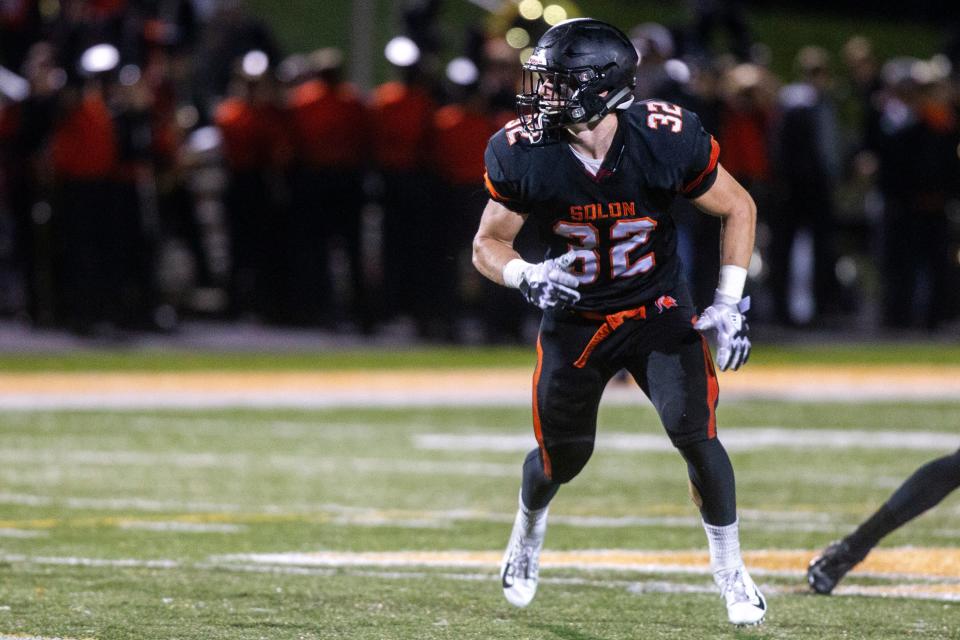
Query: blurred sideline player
{"type": "Point", "coordinates": [923, 490]}
{"type": "Point", "coordinates": [595, 174]}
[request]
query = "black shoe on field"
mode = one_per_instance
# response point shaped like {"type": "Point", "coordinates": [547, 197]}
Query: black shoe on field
{"type": "Point", "coordinates": [827, 569]}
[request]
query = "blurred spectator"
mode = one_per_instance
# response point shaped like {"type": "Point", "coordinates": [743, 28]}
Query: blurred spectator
{"type": "Point", "coordinates": [709, 17]}
{"type": "Point", "coordinates": [655, 44]}
{"type": "Point", "coordinates": [499, 80]}
{"type": "Point", "coordinates": [20, 27]}
{"type": "Point", "coordinates": [401, 121]}
{"type": "Point", "coordinates": [256, 151]}
{"type": "Point", "coordinates": [745, 126]}
{"type": "Point", "coordinates": [25, 165]}
{"type": "Point", "coordinates": [98, 186]}
{"type": "Point", "coordinates": [865, 85]}
{"type": "Point", "coordinates": [330, 132]}
{"type": "Point", "coordinates": [135, 224]}
{"type": "Point", "coordinates": [229, 34]}
{"type": "Point", "coordinates": [918, 173]}
{"type": "Point", "coordinates": [808, 161]}
{"type": "Point", "coordinates": [84, 156]}
{"type": "Point", "coordinates": [746, 121]}
{"type": "Point", "coordinates": [461, 131]}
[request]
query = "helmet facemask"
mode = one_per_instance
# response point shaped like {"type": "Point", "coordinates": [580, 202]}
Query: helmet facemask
{"type": "Point", "coordinates": [552, 98]}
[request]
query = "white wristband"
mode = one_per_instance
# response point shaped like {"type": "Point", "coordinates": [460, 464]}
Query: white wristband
{"type": "Point", "coordinates": [732, 281]}
{"type": "Point", "coordinates": [513, 272]}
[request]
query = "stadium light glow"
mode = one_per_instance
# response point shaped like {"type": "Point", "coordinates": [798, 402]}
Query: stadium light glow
{"type": "Point", "coordinates": [402, 51]}
{"type": "Point", "coordinates": [129, 75]}
{"type": "Point", "coordinates": [846, 271]}
{"type": "Point", "coordinates": [530, 9]}
{"type": "Point", "coordinates": [99, 58]}
{"type": "Point", "coordinates": [255, 63]}
{"type": "Point", "coordinates": [518, 37]}
{"type": "Point", "coordinates": [554, 14]}
{"type": "Point", "coordinates": [204, 139]}
{"type": "Point", "coordinates": [57, 79]}
{"type": "Point", "coordinates": [525, 54]}
{"type": "Point", "coordinates": [677, 70]}
{"type": "Point", "coordinates": [13, 86]}
{"type": "Point", "coordinates": [462, 71]}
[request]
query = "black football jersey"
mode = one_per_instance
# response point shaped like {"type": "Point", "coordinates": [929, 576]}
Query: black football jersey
{"type": "Point", "coordinates": [617, 221]}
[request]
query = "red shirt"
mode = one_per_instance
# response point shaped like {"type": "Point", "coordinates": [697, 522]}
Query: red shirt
{"type": "Point", "coordinates": [84, 144]}
{"type": "Point", "coordinates": [328, 125]}
{"type": "Point", "coordinates": [254, 137]}
{"type": "Point", "coordinates": [401, 118]}
{"type": "Point", "coordinates": [743, 137]}
{"type": "Point", "coordinates": [460, 139]}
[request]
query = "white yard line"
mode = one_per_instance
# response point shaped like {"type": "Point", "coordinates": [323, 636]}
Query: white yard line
{"type": "Point", "coordinates": [182, 527]}
{"type": "Point", "coordinates": [397, 565]}
{"type": "Point", "coordinates": [347, 515]}
{"type": "Point", "coordinates": [5, 636]}
{"type": "Point", "coordinates": [734, 439]}
{"type": "Point", "coordinates": [9, 532]}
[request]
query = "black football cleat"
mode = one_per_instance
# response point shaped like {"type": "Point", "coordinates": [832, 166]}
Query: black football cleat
{"type": "Point", "coordinates": [827, 569]}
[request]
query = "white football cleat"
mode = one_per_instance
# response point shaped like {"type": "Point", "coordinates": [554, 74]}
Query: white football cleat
{"type": "Point", "coordinates": [519, 571]}
{"type": "Point", "coordinates": [745, 604]}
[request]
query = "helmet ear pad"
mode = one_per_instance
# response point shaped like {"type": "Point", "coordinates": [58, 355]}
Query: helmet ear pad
{"type": "Point", "coordinates": [593, 105]}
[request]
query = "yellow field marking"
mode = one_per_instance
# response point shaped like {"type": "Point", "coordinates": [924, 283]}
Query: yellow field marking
{"type": "Point", "coordinates": [44, 523]}
{"type": "Point", "coordinates": [894, 563]}
{"type": "Point", "coordinates": [756, 378]}
{"type": "Point", "coordinates": [191, 518]}
{"type": "Point", "coordinates": [902, 565]}
{"type": "Point", "coordinates": [8, 636]}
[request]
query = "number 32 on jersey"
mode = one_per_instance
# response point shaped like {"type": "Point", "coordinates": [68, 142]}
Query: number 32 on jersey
{"type": "Point", "coordinates": [627, 237]}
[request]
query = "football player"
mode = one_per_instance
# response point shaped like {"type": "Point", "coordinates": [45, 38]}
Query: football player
{"type": "Point", "coordinates": [923, 490]}
{"type": "Point", "coordinates": [595, 173]}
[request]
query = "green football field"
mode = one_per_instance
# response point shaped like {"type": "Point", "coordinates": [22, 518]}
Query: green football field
{"type": "Point", "coordinates": [387, 522]}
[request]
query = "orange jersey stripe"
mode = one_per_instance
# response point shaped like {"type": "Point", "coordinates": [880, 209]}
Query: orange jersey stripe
{"type": "Point", "coordinates": [492, 190]}
{"type": "Point", "coordinates": [713, 389]}
{"type": "Point", "coordinates": [547, 469]}
{"type": "Point", "coordinates": [711, 165]}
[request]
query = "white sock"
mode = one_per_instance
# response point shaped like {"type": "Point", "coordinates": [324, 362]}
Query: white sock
{"type": "Point", "coordinates": [535, 519]}
{"type": "Point", "coordinates": [724, 545]}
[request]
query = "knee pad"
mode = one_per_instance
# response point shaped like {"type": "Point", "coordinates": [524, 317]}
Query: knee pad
{"type": "Point", "coordinates": [682, 429]}
{"type": "Point", "coordinates": [567, 460]}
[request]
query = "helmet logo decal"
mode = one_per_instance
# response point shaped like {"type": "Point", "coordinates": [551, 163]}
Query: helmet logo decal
{"type": "Point", "coordinates": [538, 57]}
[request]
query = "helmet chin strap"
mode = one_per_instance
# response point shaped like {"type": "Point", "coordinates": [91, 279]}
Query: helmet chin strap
{"type": "Point", "coordinates": [612, 103]}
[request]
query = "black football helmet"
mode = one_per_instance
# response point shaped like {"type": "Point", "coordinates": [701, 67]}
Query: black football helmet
{"type": "Point", "coordinates": [573, 63]}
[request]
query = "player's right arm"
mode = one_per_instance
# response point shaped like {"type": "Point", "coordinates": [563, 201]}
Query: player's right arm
{"type": "Point", "coordinates": [545, 285]}
{"type": "Point", "coordinates": [493, 244]}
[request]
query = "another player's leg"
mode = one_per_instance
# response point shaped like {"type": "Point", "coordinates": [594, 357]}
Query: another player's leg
{"type": "Point", "coordinates": [928, 485]}
{"type": "Point", "coordinates": [679, 378]}
{"type": "Point", "coordinates": [565, 417]}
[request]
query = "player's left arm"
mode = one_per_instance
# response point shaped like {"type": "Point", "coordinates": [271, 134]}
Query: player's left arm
{"type": "Point", "coordinates": [729, 201]}
{"type": "Point", "coordinates": [724, 321]}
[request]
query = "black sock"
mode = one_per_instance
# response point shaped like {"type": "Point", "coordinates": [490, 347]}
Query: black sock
{"type": "Point", "coordinates": [537, 489]}
{"type": "Point", "coordinates": [928, 485]}
{"type": "Point", "coordinates": [711, 473]}
{"type": "Point", "coordinates": [869, 533]}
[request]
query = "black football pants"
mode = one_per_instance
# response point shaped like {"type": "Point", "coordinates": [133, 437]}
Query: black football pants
{"type": "Point", "coordinates": [577, 355]}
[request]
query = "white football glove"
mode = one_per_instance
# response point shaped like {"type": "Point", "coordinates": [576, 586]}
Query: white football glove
{"type": "Point", "coordinates": [548, 284]}
{"type": "Point", "coordinates": [724, 323]}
